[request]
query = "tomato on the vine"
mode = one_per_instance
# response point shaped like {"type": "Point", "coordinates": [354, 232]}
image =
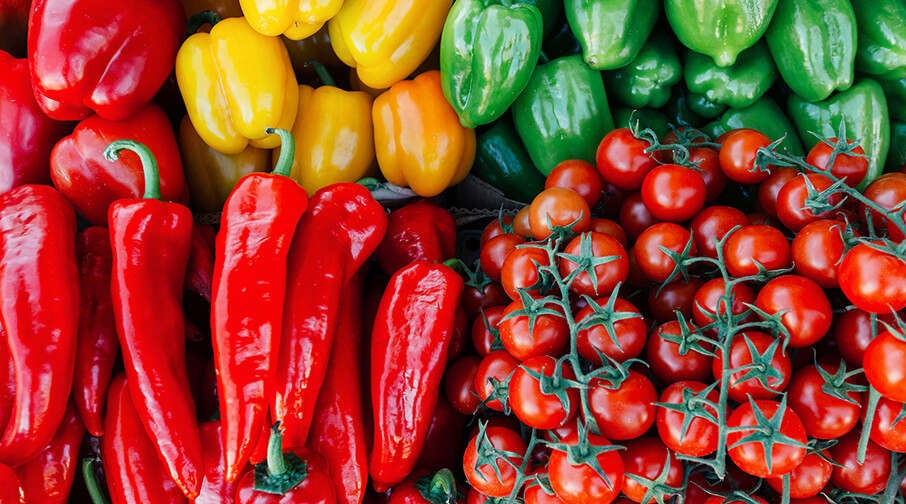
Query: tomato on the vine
{"type": "Point", "coordinates": [889, 192]}
{"type": "Point", "coordinates": [824, 416]}
{"type": "Point", "coordinates": [850, 168]}
{"type": "Point", "coordinates": [751, 456]}
{"type": "Point", "coordinates": [737, 156]}
{"type": "Point", "coordinates": [701, 436]}
{"type": "Point", "coordinates": [607, 274]}
{"type": "Point", "coordinates": [482, 326]}
{"type": "Point", "coordinates": [873, 280]}
{"type": "Point", "coordinates": [886, 431]}
{"type": "Point", "coordinates": [534, 492]}
{"type": "Point", "coordinates": [792, 198]}
{"type": "Point", "coordinates": [622, 160]}
{"type": "Point", "coordinates": [520, 269]}
{"type": "Point", "coordinates": [580, 176]}
{"type": "Point", "coordinates": [647, 457]}
{"type": "Point", "coordinates": [705, 302]}
{"type": "Point", "coordinates": [477, 298]}
{"type": "Point", "coordinates": [558, 207]}
{"type": "Point", "coordinates": [807, 479]}
{"type": "Point", "coordinates": [867, 478]}
{"type": "Point", "coordinates": [817, 250]}
{"type": "Point", "coordinates": [549, 336]}
{"type": "Point", "coordinates": [581, 484]}
{"type": "Point", "coordinates": [770, 187]}
{"type": "Point", "coordinates": [624, 412]}
{"type": "Point", "coordinates": [706, 160]}
{"type": "Point", "coordinates": [673, 193]}
{"type": "Point", "coordinates": [521, 224]}
{"type": "Point", "coordinates": [852, 333]}
{"type": "Point", "coordinates": [666, 362]}
{"type": "Point", "coordinates": [496, 228]}
{"type": "Point", "coordinates": [677, 295]}
{"type": "Point", "coordinates": [756, 244]}
{"type": "Point", "coordinates": [654, 263]}
{"type": "Point", "coordinates": [627, 341]}
{"type": "Point", "coordinates": [610, 228]}
{"type": "Point", "coordinates": [533, 406]}
{"type": "Point", "coordinates": [885, 365]}
{"type": "Point", "coordinates": [712, 224]}
{"type": "Point", "coordinates": [778, 370]}
{"type": "Point", "coordinates": [484, 478]}
{"type": "Point", "coordinates": [495, 251]}
{"type": "Point", "coordinates": [634, 216]}
{"type": "Point", "coordinates": [491, 376]}
{"type": "Point", "coordinates": [807, 310]}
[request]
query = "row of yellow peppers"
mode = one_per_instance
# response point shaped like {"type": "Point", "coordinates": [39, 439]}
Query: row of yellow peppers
{"type": "Point", "coordinates": [238, 79]}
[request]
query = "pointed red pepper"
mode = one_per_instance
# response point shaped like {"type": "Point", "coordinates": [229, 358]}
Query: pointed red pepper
{"type": "Point", "coordinates": [48, 477]}
{"type": "Point", "coordinates": [215, 489]}
{"type": "Point", "coordinates": [151, 241]}
{"type": "Point", "coordinates": [9, 485]}
{"type": "Point", "coordinates": [417, 231]}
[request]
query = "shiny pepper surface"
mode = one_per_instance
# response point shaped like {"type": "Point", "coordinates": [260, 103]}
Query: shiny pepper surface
{"type": "Point", "coordinates": [738, 85]}
{"type": "Point", "coordinates": [295, 19]}
{"type": "Point", "coordinates": [611, 32]}
{"type": "Point", "coordinates": [237, 82]}
{"type": "Point", "coordinates": [418, 138]}
{"type": "Point", "coordinates": [386, 40]}
{"type": "Point", "coordinates": [882, 38]}
{"type": "Point", "coordinates": [647, 79]}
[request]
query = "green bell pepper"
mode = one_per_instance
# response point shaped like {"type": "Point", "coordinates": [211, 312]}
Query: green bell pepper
{"type": "Point", "coordinates": [488, 51]}
{"type": "Point", "coordinates": [882, 38]}
{"type": "Point", "coordinates": [550, 12]}
{"type": "Point", "coordinates": [502, 161]}
{"type": "Point", "coordinates": [738, 85]}
{"type": "Point", "coordinates": [611, 32]}
{"type": "Point", "coordinates": [646, 81]}
{"type": "Point", "coordinates": [896, 158]}
{"type": "Point", "coordinates": [647, 118]}
{"type": "Point", "coordinates": [895, 91]}
{"type": "Point", "coordinates": [701, 105]}
{"type": "Point", "coordinates": [765, 116]}
{"type": "Point", "coordinates": [563, 113]}
{"type": "Point", "coordinates": [813, 43]}
{"type": "Point", "coordinates": [863, 107]}
{"type": "Point", "coordinates": [719, 28]}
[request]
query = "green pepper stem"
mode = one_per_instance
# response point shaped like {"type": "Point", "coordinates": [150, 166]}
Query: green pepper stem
{"type": "Point", "coordinates": [91, 483]}
{"type": "Point", "coordinates": [321, 70]}
{"type": "Point", "coordinates": [276, 464]}
{"type": "Point", "coordinates": [287, 151]}
{"type": "Point", "coordinates": [200, 19]}
{"type": "Point", "coordinates": [149, 164]}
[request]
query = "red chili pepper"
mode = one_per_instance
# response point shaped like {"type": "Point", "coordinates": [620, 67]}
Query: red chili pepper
{"type": "Point", "coordinates": [135, 474]}
{"type": "Point", "coordinates": [425, 487]}
{"type": "Point", "coordinates": [200, 272]}
{"type": "Point", "coordinates": [48, 478]}
{"type": "Point", "coordinates": [414, 320]}
{"type": "Point", "coordinates": [97, 343]}
{"type": "Point", "coordinates": [92, 183]}
{"type": "Point", "coordinates": [9, 485]}
{"type": "Point", "coordinates": [374, 291]}
{"type": "Point", "coordinates": [337, 431]}
{"type": "Point", "coordinates": [417, 231]}
{"type": "Point", "coordinates": [39, 308]}
{"type": "Point", "coordinates": [151, 241]}
{"type": "Point", "coordinates": [215, 489]}
{"type": "Point", "coordinates": [27, 135]}
{"type": "Point", "coordinates": [259, 219]}
{"type": "Point", "coordinates": [96, 55]}
{"type": "Point", "coordinates": [446, 439]}
{"type": "Point", "coordinates": [340, 231]}
{"type": "Point", "coordinates": [291, 478]}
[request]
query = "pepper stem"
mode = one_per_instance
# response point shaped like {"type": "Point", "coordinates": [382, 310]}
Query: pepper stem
{"type": "Point", "coordinates": [321, 70]}
{"type": "Point", "coordinates": [200, 19]}
{"type": "Point", "coordinates": [276, 464]}
{"type": "Point", "coordinates": [439, 488]}
{"type": "Point", "coordinates": [149, 164]}
{"type": "Point", "coordinates": [287, 151]}
{"type": "Point", "coordinates": [91, 482]}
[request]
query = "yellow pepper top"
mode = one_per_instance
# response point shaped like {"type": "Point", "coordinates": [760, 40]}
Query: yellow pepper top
{"type": "Point", "coordinates": [296, 19]}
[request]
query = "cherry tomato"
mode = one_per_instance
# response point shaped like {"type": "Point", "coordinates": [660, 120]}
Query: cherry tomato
{"type": "Point", "coordinates": [654, 263]}
{"type": "Point", "coordinates": [495, 251]}
{"type": "Point", "coordinates": [474, 497]}
{"type": "Point", "coordinates": [475, 299]}
{"type": "Point", "coordinates": [705, 302]}
{"type": "Point", "coordinates": [521, 224]}
{"type": "Point", "coordinates": [709, 170]}
{"type": "Point", "coordinates": [852, 333]}
{"type": "Point", "coordinates": [580, 176]}
{"type": "Point", "coordinates": [673, 193]}
{"type": "Point", "coordinates": [491, 377]}
{"type": "Point", "coordinates": [887, 191]}
{"type": "Point", "coordinates": [627, 342]}
{"type": "Point", "coordinates": [558, 207]}
{"type": "Point", "coordinates": [580, 484]}
{"type": "Point", "coordinates": [666, 362]}
{"type": "Point", "coordinates": [484, 478]}
{"type": "Point", "coordinates": [873, 280]}
{"type": "Point", "coordinates": [549, 336]}
{"type": "Point", "coordinates": [610, 228]}
{"type": "Point", "coordinates": [482, 335]}
{"type": "Point", "coordinates": [867, 478]}
{"type": "Point", "coordinates": [808, 312]}
{"type": "Point", "coordinates": [676, 295]}
{"type": "Point", "coordinates": [807, 479]}
{"type": "Point", "coordinates": [723, 136]}
{"type": "Point", "coordinates": [622, 160]}
{"type": "Point", "coordinates": [712, 224]}
{"type": "Point", "coordinates": [459, 384]}
{"type": "Point", "coordinates": [607, 275]}
{"type": "Point", "coordinates": [461, 330]}
{"type": "Point", "coordinates": [646, 457]}
{"type": "Point", "coordinates": [817, 250]}
{"type": "Point", "coordinates": [737, 156]}
{"type": "Point", "coordinates": [520, 269]}
{"type": "Point", "coordinates": [741, 356]}
{"type": "Point", "coordinates": [634, 216]}
{"type": "Point", "coordinates": [885, 365]}
{"type": "Point", "coordinates": [626, 412]}
{"type": "Point", "coordinates": [751, 456]}
{"type": "Point", "coordinates": [535, 408]}
{"type": "Point", "coordinates": [701, 436]}
{"type": "Point", "coordinates": [495, 228]}
{"type": "Point", "coordinates": [823, 415]}
{"type": "Point", "coordinates": [749, 245]}
{"type": "Point", "coordinates": [852, 168]}
{"type": "Point", "coordinates": [770, 187]}
{"type": "Point", "coordinates": [534, 493]}
{"type": "Point", "coordinates": [885, 431]}
{"type": "Point", "coordinates": [791, 200]}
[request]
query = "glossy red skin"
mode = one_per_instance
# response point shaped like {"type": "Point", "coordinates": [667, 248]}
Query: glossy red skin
{"type": "Point", "coordinates": [316, 488]}
{"type": "Point", "coordinates": [887, 191]}
{"type": "Point", "coordinates": [701, 438]}
{"type": "Point", "coordinates": [215, 489]}
{"type": "Point", "coordinates": [824, 416]}
{"type": "Point", "coordinates": [28, 135]}
{"type": "Point", "coordinates": [535, 408]}
{"type": "Point", "coordinates": [792, 196]}
{"type": "Point", "coordinates": [558, 206]}
{"type": "Point", "coordinates": [549, 336]}
{"type": "Point", "coordinates": [519, 269]}
{"type": "Point", "coordinates": [422, 230]}
{"type": "Point", "coordinates": [611, 200]}
{"type": "Point", "coordinates": [676, 295]}
{"type": "Point", "coordinates": [852, 168]}
{"type": "Point", "coordinates": [765, 244]}
{"type": "Point", "coordinates": [653, 262]}
{"type": "Point", "coordinates": [610, 228]}
{"type": "Point", "coordinates": [48, 477]}
{"type": "Point", "coordinates": [134, 472]}
{"type": "Point", "coordinates": [707, 297]}
{"type": "Point", "coordinates": [673, 193]}
{"type": "Point", "coordinates": [647, 457]}
{"type": "Point", "coordinates": [737, 156]}
{"type": "Point", "coordinates": [630, 333]}
{"type": "Point", "coordinates": [740, 356]}
{"type": "Point", "coordinates": [83, 62]}
{"type": "Point", "coordinates": [717, 499]}
{"type": "Point", "coordinates": [249, 286]}
{"type": "Point", "coordinates": [9, 485]}
{"type": "Point", "coordinates": [407, 493]}
{"type": "Point", "coordinates": [495, 252]}
{"type": "Point", "coordinates": [200, 272]}
{"type": "Point", "coordinates": [337, 235]}
{"type": "Point", "coordinates": [852, 333]}
{"type": "Point", "coordinates": [807, 479]}
{"type": "Point", "coordinates": [750, 457]}
{"type": "Point", "coordinates": [39, 314]}
{"type": "Point", "coordinates": [534, 494]}
{"type": "Point", "coordinates": [885, 366]}
{"type": "Point", "coordinates": [498, 365]}
{"type": "Point", "coordinates": [817, 250]}
{"type": "Point", "coordinates": [622, 161]}
{"type": "Point", "coordinates": [459, 384]}
{"type": "Point", "coordinates": [494, 228]}
{"type": "Point", "coordinates": [151, 241]}
{"type": "Point", "coordinates": [694, 493]}
{"type": "Point", "coordinates": [459, 338]}
{"type": "Point", "coordinates": [80, 171]}
{"type": "Point", "coordinates": [484, 478]}
{"type": "Point", "coordinates": [482, 339]}
{"type": "Point", "coordinates": [809, 315]}
{"type": "Point", "coordinates": [636, 278]}
{"type": "Point", "coordinates": [581, 484]}
{"type": "Point", "coordinates": [7, 381]}
{"type": "Point", "coordinates": [475, 299]}
{"type": "Point", "coordinates": [337, 430]}
{"type": "Point", "coordinates": [580, 176]}
{"type": "Point", "coordinates": [608, 275]}
{"type": "Point", "coordinates": [769, 188]}
{"type": "Point", "coordinates": [521, 223]}
{"type": "Point", "coordinates": [714, 222]}
{"type": "Point", "coordinates": [869, 477]}
{"type": "Point", "coordinates": [97, 342]}
{"type": "Point", "coordinates": [446, 438]}
{"type": "Point", "coordinates": [883, 430]}
{"type": "Point", "coordinates": [634, 216]}
{"type": "Point", "coordinates": [709, 170]}
{"type": "Point", "coordinates": [624, 413]}
{"type": "Point", "coordinates": [668, 365]}
{"type": "Point", "coordinates": [873, 280]}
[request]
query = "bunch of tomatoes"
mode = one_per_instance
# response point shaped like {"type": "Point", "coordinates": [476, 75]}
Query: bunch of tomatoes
{"type": "Point", "coordinates": [685, 348]}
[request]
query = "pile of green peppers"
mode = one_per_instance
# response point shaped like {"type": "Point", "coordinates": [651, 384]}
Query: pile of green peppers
{"type": "Point", "coordinates": [544, 80]}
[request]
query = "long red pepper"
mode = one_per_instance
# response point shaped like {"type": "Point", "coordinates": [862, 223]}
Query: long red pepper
{"type": "Point", "coordinates": [409, 343]}
{"type": "Point", "coordinates": [133, 470]}
{"type": "Point", "coordinates": [151, 241]}
{"type": "Point", "coordinates": [47, 478]}
{"type": "Point", "coordinates": [337, 431]}
{"type": "Point", "coordinates": [39, 310]}
{"type": "Point", "coordinates": [215, 489]}
{"type": "Point", "coordinates": [422, 230]}
{"type": "Point", "coordinates": [9, 485]}
{"type": "Point", "coordinates": [97, 344]}
{"type": "Point", "coordinates": [338, 233]}
{"type": "Point", "coordinates": [256, 229]}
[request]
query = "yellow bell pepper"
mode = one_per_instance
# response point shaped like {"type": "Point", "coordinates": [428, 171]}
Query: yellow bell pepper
{"type": "Point", "coordinates": [418, 138]}
{"type": "Point", "coordinates": [211, 175]}
{"type": "Point", "coordinates": [296, 19]}
{"type": "Point", "coordinates": [236, 82]}
{"type": "Point", "coordinates": [386, 40]}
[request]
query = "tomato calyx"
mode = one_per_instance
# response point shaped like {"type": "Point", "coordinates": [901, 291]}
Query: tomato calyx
{"type": "Point", "coordinates": [819, 447]}
{"type": "Point", "coordinates": [607, 316]}
{"type": "Point", "coordinates": [586, 261]}
{"type": "Point", "coordinates": [532, 308]}
{"type": "Point", "coordinates": [657, 490]}
{"type": "Point", "coordinates": [555, 385]}
{"type": "Point", "coordinates": [694, 405]}
{"type": "Point", "coordinates": [496, 341]}
{"type": "Point", "coordinates": [837, 384]}
{"type": "Point", "coordinates": [682, 261]}
{"type": "Point", "coordinates": [766, 431]}
{"type": "Point", "coordinates": [585, 453]}
{"type": "Point", "coordinates": [689, 339]}
{"type": "Point", "coordinates": [761, 367]}
{"type": "Point", "coordinates": [488, 454]}
{"type": "Point", "coordinates": [772, 324]}
{"type": "Point", "coordinates": [439, 487]}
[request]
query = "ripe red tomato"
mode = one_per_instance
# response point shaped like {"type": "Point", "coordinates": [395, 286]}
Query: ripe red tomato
{"type": "Point", "coordinates": [765, 245]}
{"type": "Point", "coordinates": [607, 275]}
{"type": "Point", "coordinates": [520, 269]}
{"type": "Point", "coordinates": [823, 415]}
{"type": "Point", "coordinates": [740, 355]}
{"type": "Point", "coordinates": [676, 295]}
{"type": "Point", "coordinates": [709, 170]}
{"type": "Point", "coordinates": [610, 228]}
{"type": "Point", "coordinates": [873, 280]}
{"type": "Point", "coordinates": [712, 224]}
{"type": "Point", "coordinates": [666, 362]}
{"type": "Point", "coordinates": [852, 333]}
{"type": "Point", "coordinates": [580, 484]}
{"type": "Point", "coordinates": [622, 160]}
{"type": "Point", "coordinates": [535, 408]}
{"type": "Point", "coordinates": [580, 176]}
{"type": "Point", "coordinates": [491, 376]}
{"type": "Point", "coordinates": [558, 207]}
{"type": "Point", "coordinates": [887, 191]}
{"type": "Point", "coordinates": [770, 187]}
{"type": "Point", "coordinates": [495, 251]}
{"type": "Point", "coordinates": [791, 201]}
{"type": "Point", "coordinates": [852, 168]}
{"type": "Point", "coordinates": [482, 335]}
{"type": "Point", "coordinates": [495, 228]}
{"type": "Point", "coordinates": [867, 478]}
{"type": "Point", "coordinates": [630, 334]}
{"type": "Point", "coordinates": [751, 456]}
{"type": "Point", "coordinates": [654, 263]}
{"type": "Point", "coordinates": [807, 479]}
{"type": "Point", "coordinates": [884, 431]}
{"type": "Point", "coordinates": [737, 156]}
{"type": "Point", "coordinates": [626, 412]}
{"type": "Point", "coordinates": [646, 457]}
{"type": "Point", "coordinates": [673, 193]}
{"type": "Point", "coordinates": [459, 384]}
{"type": "Point", "coordinates": [701, 437]}
{"type": "Point", "coordinates": [885, 365]}
{"type": "Point", "coordinates": [634, 216]}
{"type": "Point", "coordinates": [549, 336]}
{"type": "Point", "coordinates": [484, 478]}
{"type": "Point", "coordinates": [808, 312]}
{"type": "Point", "coordinates": [817, 250]}
{"type": "Point", "coordinates": [534, 493]}
{"type": "Point", "coordinates": [705, 302]}
{"type": "Point", "coordinates": [521, 224]}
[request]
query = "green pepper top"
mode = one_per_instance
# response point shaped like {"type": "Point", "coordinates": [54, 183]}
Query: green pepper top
{"type": "Point", "coordinates": [611, 32]}
{"type": "Point", "coordinates": [882, 37]}
{"type": "Point", "coordinates": [647, 79]}
{"type": "Point", "coordinates": [738, 85]}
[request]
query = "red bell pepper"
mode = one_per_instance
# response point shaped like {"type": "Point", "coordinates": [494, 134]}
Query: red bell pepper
{"type": "Point", "coordinates": [27, 135]}
{"type": "Point", "coordinates": [109, 57]}
{"type": "Point", "coordinates": [419, 230]}
{"type": "Point", "coordinates": [92, 183]}
{"type": "Point", "coordinates": [151, 241]}
{"type": "Point", "coordinates": [97, 344]}
{"type": "Point", "coordinates": [338, 233]}
{"type": "Point", "coordinates": [409, 344]}
{"type": "Point", "coordinates": [9, 485]}
{"type": "Point", "coordinates": [337, 431]}
{"type": "Point", "coordinates": [200, 272]}
{"type": "Point", "coordinates": [39, 308]}
{"type": "Point", "coordinates": [47, 479]}
{"type": "Point", "coordinates": [215, 489]}
{"type": "Point", "coordinates": [426, 487]}
{"type": "Point", "coordinates": [135, 474]}
{"type": "Point", "coordinates": [259, 219]}
{"type": "Point", "coordinates": [446, 438]}
{"type": "Point", "coordinates": [14, 26]}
